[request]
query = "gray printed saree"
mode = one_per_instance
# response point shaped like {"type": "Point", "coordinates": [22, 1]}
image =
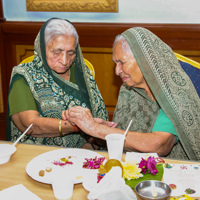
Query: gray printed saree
{"type": "Point", "coordinates": [172, 88]}
{"type": "Point", "coordinates": [53, 94]}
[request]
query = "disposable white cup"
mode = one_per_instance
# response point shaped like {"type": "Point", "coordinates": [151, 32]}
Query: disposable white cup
{"type": "Point", "coordinates": [63, 184]}
{"type": "Point", "coordinates": [6, 151]}
{"type": "Point", "coordinates": [115, 145]}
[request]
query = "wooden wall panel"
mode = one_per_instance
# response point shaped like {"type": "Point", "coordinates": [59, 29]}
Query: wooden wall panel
{"type": "Point", "coordinates": [96, 39]}
{"type": "Point", "coordinates": [1, 79]}
{"type": "Point", "coordinates": [1, 93]}
{"type": "Point", "coordinates": [194, 55]}
{"type": "Point", "coordinates": [23, 51]}
{"type": "Point", "coordinates": [107, 81]}
{"type": "Point", "coordinates": [1, 11]}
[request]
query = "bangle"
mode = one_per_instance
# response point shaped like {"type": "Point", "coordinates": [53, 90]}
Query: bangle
{"type": "Point", "coordinates": [76, 128]}
{"type": "Point", "coordinates": [60, 128]}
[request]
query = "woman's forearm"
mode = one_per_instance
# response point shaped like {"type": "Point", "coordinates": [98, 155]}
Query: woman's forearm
{"type": "Point", "coordinates": [42, 126]}
{"type": "Point", "coordinates": [49, 127]}
{"type": "Point", "coordinates": [157, 142]}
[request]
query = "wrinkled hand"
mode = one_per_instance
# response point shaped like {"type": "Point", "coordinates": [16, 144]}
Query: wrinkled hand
{"type": "Point", "coordinates": [65, 116]}
{"type": "Point", "coordinates": [107, 123]}
{"type": "Point", "coordinates": [81, 117]}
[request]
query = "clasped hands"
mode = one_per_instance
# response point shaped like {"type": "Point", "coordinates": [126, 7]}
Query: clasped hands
{"type": "Point", "coordinates": [82, 117]}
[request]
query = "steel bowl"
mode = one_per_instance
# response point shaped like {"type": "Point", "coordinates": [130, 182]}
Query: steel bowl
{"type": "Point", "coordinates": [151, 189]}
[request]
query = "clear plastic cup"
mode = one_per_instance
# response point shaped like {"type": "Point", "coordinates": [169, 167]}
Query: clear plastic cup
{"type": "Point", "coordinates": [115, 145]}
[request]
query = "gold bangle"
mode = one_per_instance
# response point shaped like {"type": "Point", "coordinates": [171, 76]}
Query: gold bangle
{"type": "Point", "coordinates": [60, 128]}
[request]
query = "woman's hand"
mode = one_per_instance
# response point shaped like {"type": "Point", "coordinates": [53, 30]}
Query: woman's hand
{"type": "Point", "coordinates": [65, 115]}
{"type": "Point", "coordinates": [107, 123]}
{"type": "Point", "coordinates": [82, 117]}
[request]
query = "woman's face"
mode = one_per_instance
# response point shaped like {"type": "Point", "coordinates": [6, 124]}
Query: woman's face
{"type": "Point", "coordinates": [127, 67]}
{"type": "Point", "coordinates": [60, 53]}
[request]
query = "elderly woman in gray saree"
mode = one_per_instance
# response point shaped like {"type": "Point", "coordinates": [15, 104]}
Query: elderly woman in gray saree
{"type": "Point", "coordinates": [156, 94]}
{"type": "Point", "coordinates": [55, 80]}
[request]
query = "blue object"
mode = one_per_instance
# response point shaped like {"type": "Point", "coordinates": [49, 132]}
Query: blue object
{"type": "Point", "coordinates": [193, 73]}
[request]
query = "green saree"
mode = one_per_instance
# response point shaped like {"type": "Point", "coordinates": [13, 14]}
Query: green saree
{"type": "Point", "coordinates": [53, 94]}
{"type": "Point", "coordinates": [172, 88]}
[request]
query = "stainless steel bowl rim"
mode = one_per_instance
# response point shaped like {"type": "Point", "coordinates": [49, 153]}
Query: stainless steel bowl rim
{"type": "Point", "coordinates": [148, 197]}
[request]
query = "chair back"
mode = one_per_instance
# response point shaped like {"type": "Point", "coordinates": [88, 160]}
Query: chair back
{"type": "Point", "coordinates": [90, 67]}
{"type": "Point", "coordinates": [87, 63]}
{"type": "Point", "coordinates": [28, 59]}
{"type": "Point", "coordinates": [192, 68]}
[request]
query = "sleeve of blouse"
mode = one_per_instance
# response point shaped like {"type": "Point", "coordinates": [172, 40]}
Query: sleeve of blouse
{"type": "Point", "coordinates": [21, 97]}
{"type": "Point", "coordinates": [164, 124]}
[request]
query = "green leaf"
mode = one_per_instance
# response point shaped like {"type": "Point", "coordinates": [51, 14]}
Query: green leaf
{"type": "Point", "coordinates": [147, 176]}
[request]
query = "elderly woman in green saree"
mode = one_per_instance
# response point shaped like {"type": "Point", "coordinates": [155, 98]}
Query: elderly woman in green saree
{"type": "Point", "coordinates": [156, 94]}
{"type": "Point", "coordinates": [55, 80]}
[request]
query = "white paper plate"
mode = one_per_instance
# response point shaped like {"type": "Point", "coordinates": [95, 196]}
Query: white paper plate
{"type": "Point", "coordinates": [134, 156]}
{"type": "Point", "coordinates": [45, 160]}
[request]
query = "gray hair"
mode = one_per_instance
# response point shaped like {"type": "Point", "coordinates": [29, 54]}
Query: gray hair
{"type": "Point", "coordinates": [57, 27]}
{"type": "Point", "coordinates": [124, 44]}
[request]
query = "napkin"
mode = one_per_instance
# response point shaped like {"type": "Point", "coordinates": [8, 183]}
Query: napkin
{"type": "Point", "coordinates": [133, 156]}
{"type": "Point", "coordinates": [183, 176]}
{"type": "Point", "coordinates": [112, 186]}
{"type": "Point", "coordinates": [18, 192]}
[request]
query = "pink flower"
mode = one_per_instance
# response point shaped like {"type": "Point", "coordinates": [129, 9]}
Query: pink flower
{"type": "Point", "coordinates": [149, 164]}
{"type": "Point", "coordinates": [143, 165]}
{"type": "Point", "coordinates": [93, 163]}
